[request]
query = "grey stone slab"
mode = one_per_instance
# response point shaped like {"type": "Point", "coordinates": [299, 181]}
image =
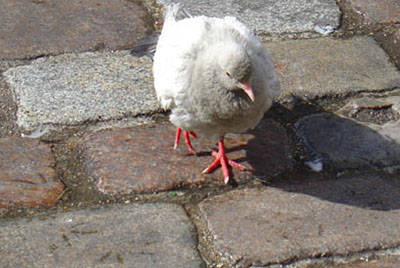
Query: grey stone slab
{"type": "Point", "coordinates": [303, 218]}
{"type": "Point", "coordinates": [74, 89]}
{"type": "Point", "coordinates": [346, 143]}
{"type": "Point", "coordinates": [32, 28]}
{"type": "Point", "coordinates": [329, 67]}
{"type": "Point", "coordinates": [139, 235]}
{"type": "Point", "coordinates": [277, 17]}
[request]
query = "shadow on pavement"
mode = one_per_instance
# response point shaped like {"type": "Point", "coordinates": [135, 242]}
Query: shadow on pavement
{"type": "Point", "coordinates": [355, 156]}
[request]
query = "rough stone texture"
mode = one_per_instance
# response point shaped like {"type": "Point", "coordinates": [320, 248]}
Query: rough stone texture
{"type": "Point", "coordinates": [38, 27]}
{"type": "Point", "coordinates": [327, 66]}
{"type": "Point", "coordinates": [376, 11]}
{"type": "Point", "coordinates": [294, 219]}
{"type": "Point", "coordinates": [391, 43]}
{"type": "Point", "coordinates": [380, 260]}
{"type": "Point", "coordinates": [74, 89]}
{"type": "Point", "coordinates": [359, 104]}
{"type": "Point", "coordinates": [146, 235]}
{"type": "Point", "coordinates": [8, 108]}
{"type": "Point", "coordinates": [346, 143]}
{"type": "Point", "coordinates": [372, 109]}
{"type": "Point", "coordinates": [27, 177]}
{"type": "Point", "coordinates": [269, 16]}
{"type": "Point", "coordinates": [383, 262]}
{"type": "Point", "coordinates": [392, 46]}
{"type": "Point", "coordinates": [142, 159]}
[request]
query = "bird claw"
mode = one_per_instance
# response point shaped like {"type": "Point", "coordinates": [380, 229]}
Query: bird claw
{"type": "Point", "coordinates": [231, 162]}
{"type": "Point", "coordinates": [221, 159]}
{"type": "Point", "coordinates": [187, 139]}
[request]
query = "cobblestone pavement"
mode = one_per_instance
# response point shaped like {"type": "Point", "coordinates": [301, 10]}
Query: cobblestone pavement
{"type": "Point", "coordinates": [89, 177]}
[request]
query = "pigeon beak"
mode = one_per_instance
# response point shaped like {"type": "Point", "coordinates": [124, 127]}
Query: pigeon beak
{"type": "Point", "coordinates": [246, 86]}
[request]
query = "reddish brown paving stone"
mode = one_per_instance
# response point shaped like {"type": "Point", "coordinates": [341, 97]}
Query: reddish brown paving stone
{"type": "Point", "coordinates": [27, 177]}
{"type": "Point", "coordinates": [377, 11]}
{"type": "Point", "coordinates": [142, 159]}
{"type": "Point", "coordinates": [36, 28]}
{"type": "Point", "coordinates": [303, 219]}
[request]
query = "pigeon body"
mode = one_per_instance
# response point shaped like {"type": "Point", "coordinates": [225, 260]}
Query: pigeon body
{"type": "Point", "coordinates": [214, 75]}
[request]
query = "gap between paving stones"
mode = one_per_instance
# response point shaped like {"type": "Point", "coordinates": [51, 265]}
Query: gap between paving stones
{"type": "Point", "coordinates": [355, 259]}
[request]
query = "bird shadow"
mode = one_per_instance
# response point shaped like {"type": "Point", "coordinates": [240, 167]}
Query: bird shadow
{"type": "Point", "coordinates": [356, 158]}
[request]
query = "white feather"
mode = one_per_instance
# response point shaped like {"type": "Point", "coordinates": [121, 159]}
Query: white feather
{"type": "Point", "coordinates": [178, 49]}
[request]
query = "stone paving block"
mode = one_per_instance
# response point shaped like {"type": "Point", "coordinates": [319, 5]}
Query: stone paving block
{"type": "Point", "coordinates": [269, 16]}
{"type": "Point", "coordinates": [8, 108]}
{"type": "Point", "coordinates": [142, 159]}
{"type": "Point", "coordinates": [372, 109]}
{"type": "Point", "coordinates": [391, 44]}
{"type": "Point", "coordinates": [346, 143]}
{"type": "Point", "coordinates": [145, 235]}
{"type": "Point", "coordinates": [383, 262]}
{"type": "Point", "coordinates": [39, 27]}
{"type": "Point", "coordinates": [376, 11]}
{"type": "Point", "coordinates": [356, 105]}
{"type": "Point", "coordinates": [302, 219]}
{"type": "Point", "coordinates": [74, 89]}
{"type": "Point", "coordinates": [363, 261]}
{"type": "Point", "coordinates": [27, 177]}
{"type": "Point", "coordinates": [329, 67]}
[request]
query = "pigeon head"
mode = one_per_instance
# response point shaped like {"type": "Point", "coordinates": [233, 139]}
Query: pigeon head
{"type": "Point", "coordinates": [235, 69]}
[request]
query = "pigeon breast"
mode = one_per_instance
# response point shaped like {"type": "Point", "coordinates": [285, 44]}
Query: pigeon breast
{"type": "Point", "coordinates": [186, 81]}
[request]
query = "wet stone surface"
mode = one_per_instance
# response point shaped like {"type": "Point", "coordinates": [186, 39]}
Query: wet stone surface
{"type": "Point", "coordinates": [293, 219]}
{"type": "Point", "coordinates": [36, 28]}
{"type": "Point", "coordinates": [142, 159]}
{"type": "Point", "coordinates": [329, 67]}
{"type": "Point", "coordinates": [75, 89]}
{"type": "Point", "coordinates": [27, 177]}
{"type": "Point", "coordinates": [346, 143]}
{"type": "Point", "coordinates": [140, 235]}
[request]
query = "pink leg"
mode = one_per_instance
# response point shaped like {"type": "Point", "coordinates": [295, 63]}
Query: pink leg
{"type": "Point", "coordinates": [187, 141]}
{"type": "Point", "coordinates": [177, 137]}
{"type": "Point", "coordinates": [221, 159]}
{"type": "Point", "coordinates": [186, 137]}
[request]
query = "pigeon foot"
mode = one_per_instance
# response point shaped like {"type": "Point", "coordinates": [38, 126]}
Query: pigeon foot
{"type": "Point", "coordinates": [221, 159]}
{"type": "Point", "coordinates": [186, 137]}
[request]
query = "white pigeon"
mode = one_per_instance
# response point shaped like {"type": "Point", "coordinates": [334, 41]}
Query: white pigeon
{"type": "Point", "coordinates": [216, 77]}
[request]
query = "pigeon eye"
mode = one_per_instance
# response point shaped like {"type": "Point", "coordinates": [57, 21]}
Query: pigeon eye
{"type": "Point", "coordinates": [228, 74]}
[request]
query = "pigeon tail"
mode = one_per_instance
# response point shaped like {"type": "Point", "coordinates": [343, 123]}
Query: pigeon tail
{"type": "Point", "coordinates": [171, 12]}
{"type": "Point", "coordinates": [146, 46]}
